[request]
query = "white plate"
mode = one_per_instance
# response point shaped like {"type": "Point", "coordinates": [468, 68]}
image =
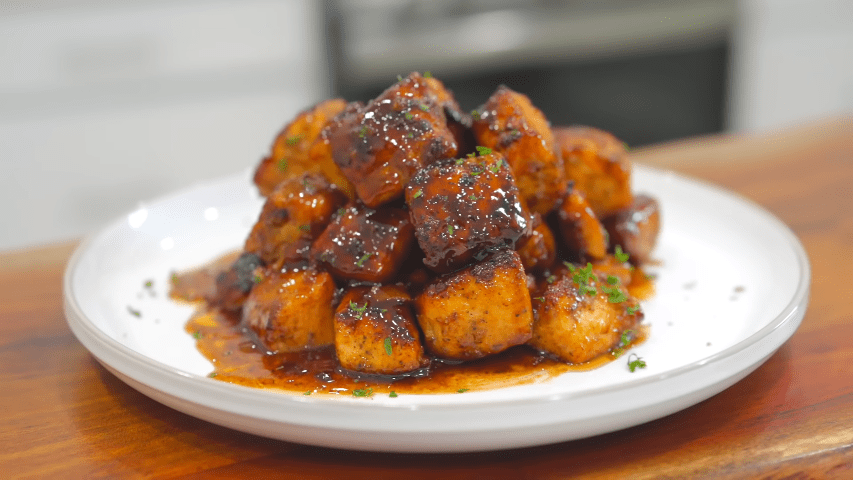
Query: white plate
{"type": "Point", "coordinates": [732, 288]}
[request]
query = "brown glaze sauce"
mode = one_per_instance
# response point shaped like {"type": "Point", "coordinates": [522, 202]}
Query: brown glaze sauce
{"type": "Point", "coordinates": [238, 357]}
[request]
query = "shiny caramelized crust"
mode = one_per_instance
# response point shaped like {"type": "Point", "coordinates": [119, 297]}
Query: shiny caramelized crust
{"type": "Point", "coordinates": [294, 214]}
{"type": "Point", "coordinates": [375, 331]}
{"type": "Point", "coordinates": [636, 228]}
{"type": "Point", "coordinates": [380, 147]}
{"type": "Point", "coordinates": [538, 249]}
{"type": "Point", "coordinates": [460, 208]}
{"type": "Point", "coordinates": [234, 284]}
{"type": "Point", "coordinates": [365, 244]}
{"type": "Point", "coordinates": [510, 124]}
{"type": "Point", "coordinates": [290, 155]}
{"type": "Point", "coordinates": [577, 325]}
{"type": "Point", "coordinates": [475, 312]}
{"type": "Point", "coordinates": [292, 311]}
{"type": "Point", "coordinates": [581, 232]}
{"type": "Point", "coordinates": [598, 164]}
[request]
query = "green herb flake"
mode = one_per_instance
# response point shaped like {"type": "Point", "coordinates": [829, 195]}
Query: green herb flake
{"type": "Point", "coordinates": [472, 197]}
{"type": "Point", "coordinates": [393, 394]}
{"type": "Point", "coordinates": [460, 161]}
{"type": "Point", "coordinates": [197, 335]}
{"type": "Point", "coordinates": [362, 392]}
{"type": "Point", "coordinates": [148, 283]}
{"type": "Point", "coordinates": [282, 164]}
{"type": "Point", "coordinates": [359, 310]}
{"type": "Point", "coordinates": [418, 193]}
{"type": "Point", "coordinates": [612, 280]}
{"type": "Point", "coordinates": [620, 255]}
{"type": "Point", "coordinates": [551, 278]}
{"type": "Point", "coordinates": [636, 363]}
{"type": "Point", "coordinates": [408, 115]}
{"type": "Point", "coordinates": [427, 74]}
{"type": "Point", "coordinates": [294, 139]}
{"type": "Point", "coordinates": [541, 299]}
{"type": "Point", "coordinates": [632, 309]}
{"type": "Point", "coordinates": [481, 150]}
{"type": "Point", "coordinates": [462, 390]}
{"type": "Point", "coordinates": [450, 229]}
{"type": "Point", "coordinates": [361, 260]}
{"type": "Point", "coordinates": [258, 279]}
{"type": "Point", "coordinates": [424, 107]}
{"type": "Point", "coordinates": [615, 294]}
{"type": "Point", "coordinates": [497, 166]}
{"type": "Point", "coordinates": [475, 114]}
{"type": "Point", "coordinates": [410, 135]}
{"type": "Point", "coordinates": [307, 392]}
{"type": "Point", "coordinates": [305, 228]}
{"type": "Point", "coordinates": [213, 375]}
{"type": "Point", "coordinates": [133, 311]}
{"type": "Point", "coordinates": [399, 78]}
{"type": "Point", "coordinates": [363, 132]}
{"type": "Point", "coordinates": [627, 148]}
{"type": "Point", "coordinates": [388, 349]}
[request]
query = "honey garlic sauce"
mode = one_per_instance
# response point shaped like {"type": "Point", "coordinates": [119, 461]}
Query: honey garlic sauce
{"type": "Point", "coordinates": [239, 358]}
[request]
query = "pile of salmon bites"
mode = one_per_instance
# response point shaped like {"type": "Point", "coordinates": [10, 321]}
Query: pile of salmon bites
{"type": "Point", "coordinates": [405, 230]}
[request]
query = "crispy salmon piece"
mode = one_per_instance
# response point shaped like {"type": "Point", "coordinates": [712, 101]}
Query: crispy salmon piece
{"type": "Point", "coordinates": [295, 213]}
{"type": "Point", "coordinates": [581, 231]}
{"type": "Point", "coordinates": [380, 146]}
{"type": "Point", "coordinates": [463, 208]}
{"type": "Point", "coordinates": [292, 311]}
{"type": "Point", "coordinates": [290, 154]}
{"type": "Point", "coordinates": [375, 331]}
{"type": "Point", "coordinates": [598, 164]}
{"type": "Point", "coordinates": [537, 249]}
{"type": "Point", "coordinates": [477, 311]}
{"type": "Point", "coordinates": [579, 316]}
{"type": "Point", "coordinates": [509, 123]}
{"type": "Point", "coordinates": [635, 228]}
{"type": "Point", "coordinates": [365, 244]}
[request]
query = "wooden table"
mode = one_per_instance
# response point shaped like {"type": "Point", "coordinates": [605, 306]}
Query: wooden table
{"type": "Point", "coordinates": [62, 415]}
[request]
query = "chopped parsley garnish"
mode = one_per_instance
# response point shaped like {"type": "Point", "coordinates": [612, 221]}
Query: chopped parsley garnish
{"type": "Point", "coordinates": [475, 114]}
{"type": "Point", "coordinates": [399, 78]}
{"type": "Point", "coordinates": [627, 148]}
{"type": "Point", "coordinates": [342, 211]}
{"type": "Point", "coordinates": [541, 299]}
{"type": "Point", "coordinates": [481, 150]}
{"type": "Point", "coordinates": [462, 390]}
{"type": "Point", "coordinates": [460, 161]}
{"type": "Point", "coordinates": [408, 115]}
{"type": "Point", "coordinates": [359, 310]}
{"type": "Point", "coordinates": [307, 392]}
{"type": "Point", "coordinates": [424, 107]}
{"type": "Point", "coordinates": [427, 74]}
{"type": "Point", "coordinates": [294, 140]}
{"type": "Point", "coordinates": [450, 229]}
{"type": "Point", "coordinates": [388, 349]}
{"type": "Point", "coordinates": [393, 394]}
{"type": "Point", "coordinates": [362, 132]}
{"type": "Point", "coordinates": [361, 260]}
{"type": "Point", "coordinates": [410, 135]}
{"type": "Point", "coordinates": [582, 278]}
{"type": "Point", "coordinates": [213, 375]}
{"type": "Point", "coordinates": [620, 255]}
{"type": "Point", "coordinates": [305, 228]}
{"type": "Point", "coordinates": [472, 197]}
{"type": "Point", "coordinates": [477, 172]}
{"type": "Point", "coordinates": [418, 193]}
{"type": "Point", "coordinates": [632, 309]}
{"type": "Point", "coordinates": [636, 363]}
{"type": "Point", "coordinates": [133, 311]}
{"type": "Point", "coordinates": [612, 280]}
{"type": "Point", "coordinates": [149, 283]}
{"type": "Point", "coordinates": [362, 392]}
{"type": "Point", "coordinates": [624, 341]}
{"type": "Point", "coordinates": [614, 294]}
{"type": "Point", "coordinates": [258, 278]}
{"type": "Point", "coordinates": [197, 335]}
{"type": "Point", "coordinates": [282, 164]}
{"type": "Point", "coordinates": [551, 278]}
{"type": "Point", "coordinates": [497, 166]}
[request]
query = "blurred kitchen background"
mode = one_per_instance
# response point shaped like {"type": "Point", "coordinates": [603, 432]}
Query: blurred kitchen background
{"type": "Point", "coordinates": [107, 103]}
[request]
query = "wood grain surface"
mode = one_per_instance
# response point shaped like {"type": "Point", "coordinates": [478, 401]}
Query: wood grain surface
{"type": "Point", "coordinates": [62, 415]}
